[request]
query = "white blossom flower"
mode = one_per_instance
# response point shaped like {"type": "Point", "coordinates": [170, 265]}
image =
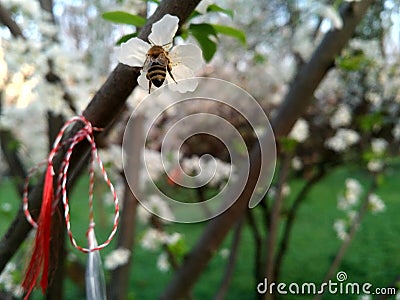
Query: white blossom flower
{"type": "Point", "coordinates": [375, 165]}
{"type": "Point", "coordinates": [397, 296]}
{"type": "Point", "coordinates": [300, 131]}
{"type": "Point", "coordinates": [117, 258]}
{"type": "Point", "coordinates": [330, 13]}
{"type": "Point", "coordinates": [7, 281]}
{"type": "Point", "coordinates": [153, 239]}
{"type": "Point", "coordinates": [6, 207]}
{"type": "Point", "coordinates": [285, 190]}
{"type": "Point", "coordinates": [163, 263]}
{"type": "Point", "coordinates": [375, 203]}
{"type": "Point", "coordinates": [157, 205]}
{"type": "Point", "coordinates": [297, 164]}
{"type": "Point", "coordinates": [153, 163]}
{"type": "Point", "coordinates": [343, 139]}
{"type": "Point", "coordinates": [342, 116]}
{"type": "Point", "coordinates": [184, 59]}
{"type": "Point", "coordinates": [224, 252]}
{"type": "Point", "coordinates": [353, 186]}
{"type": "Point", "coordinates": [203, 5]}
{"type": "Point", "coordinates": [374, 98]}
{"type": "Point", "coordinates": [173, 238]}
{"type": "Point", "coordinates": [341, 229]}
{"type": "Point", "coordinates": [396, 131]}
{"type": "Point", "coordinates": [379, 145]}
{"type": "Point", "coordinates": [351, 194]}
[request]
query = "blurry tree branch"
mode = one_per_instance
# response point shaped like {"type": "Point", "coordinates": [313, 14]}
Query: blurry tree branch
{"type": "Point", "coordinates": [5, 18]}
{"type": "Point", "coordinates": [296, 101]}
{"type": "Point", "coordinates": [347, 241]}
{"type": "Point", "coordinates": [101, 111]}
{"type": "Point", "coordinates": [230, 266]}
{"type": "Point", "coordinates": [8, 145]}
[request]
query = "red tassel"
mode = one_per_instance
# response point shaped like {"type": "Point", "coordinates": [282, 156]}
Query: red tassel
{"type": "Point", "coordinates": [40, 258]}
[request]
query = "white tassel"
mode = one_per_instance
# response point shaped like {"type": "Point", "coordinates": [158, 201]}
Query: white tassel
{"type": "Point", "coordinates": [95, 283]}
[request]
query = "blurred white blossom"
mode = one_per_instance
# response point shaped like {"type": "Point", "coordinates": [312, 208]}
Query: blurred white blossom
{"type": "Point", "coordinates": [173, 238]}
{"type": "Point", "coordinates": [351, 194]}
{"type": "Point", "coordinates": [342, 116]}
{"type": "Point", "coordinates": [157, 205]}
{"type": "Point", "coordinates": [153, 163]}
{"type": "Point", "coordinates": [224, 252]}
{"type": "Point", "coordinates": [153, 239]}
{"type": "Point", "coordinates": [300, 131]}
{"type": "Point", "coordinates": [379, 145]}
{"type": "Point", "coordinates": [375, 203]}
{"type": "Point", "coordinates": [212, 171]}
{"type": "Point", "coordinates": [375, 165]}
{"type": "Point", "coordinates": [297, 164]}
{"type": "Point", "coordinates": [396, 131]}
{"type": "Point", "coordinates": [117, 258]}
{"type": "Point", "coordinates": [203, 5]}
{"type": "Point", "coordinates": [330, 13]}
{"type": "Point", "coordinates": [343, 139]}
{"type": "Point", "coordinates": [8, 281]}
{"type": "Point", "coordinates": [340, 228]}
{"type": "Point", "coordinates": [285, 190]}
{"type": "Point", "coordinates": [374, 98]}
{"type": "Point", "coordinates": [162, 262]}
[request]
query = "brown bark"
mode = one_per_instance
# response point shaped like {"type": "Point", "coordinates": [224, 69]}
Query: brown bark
{"type": "Point", "coordinates": [101, 111]}
{"type": "Point", "coordinates": [6, 19]}
{"type": "Point", "coordinates": [294, 105]}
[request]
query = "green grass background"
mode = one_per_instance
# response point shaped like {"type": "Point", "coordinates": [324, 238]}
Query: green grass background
{"type": "Point", "coordinates": [372, 257]}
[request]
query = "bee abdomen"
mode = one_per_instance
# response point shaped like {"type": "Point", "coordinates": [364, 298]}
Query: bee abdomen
{"type": "Point", "coordinates": [156, 74]}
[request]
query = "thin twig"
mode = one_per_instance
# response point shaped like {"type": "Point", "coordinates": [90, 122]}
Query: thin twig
{"type": "Point", "coordinates": [274, 222]}
{"type": "Point", "coordinates": [237, 234]}
{"type": "Point", "coordinates": [258, 245]}
{"type": "Point", "coordinates": [291, 218]}
{"type": "Point", "coordinates": [346, 243]}
{"type": "Point", "coordinates": [5, 18]}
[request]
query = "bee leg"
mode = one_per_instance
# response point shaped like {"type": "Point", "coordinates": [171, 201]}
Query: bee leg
{"type": "Point", "coordinates": [169, 69]}
{"type": "Point", "coordinates": [149, 86]}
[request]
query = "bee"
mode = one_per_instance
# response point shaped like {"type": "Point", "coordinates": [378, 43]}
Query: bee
{"type": "Point", "coordinates": [157, 64]}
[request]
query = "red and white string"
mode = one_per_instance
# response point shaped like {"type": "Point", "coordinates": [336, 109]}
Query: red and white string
{"type": "Point", "coordinates": [85, 133]}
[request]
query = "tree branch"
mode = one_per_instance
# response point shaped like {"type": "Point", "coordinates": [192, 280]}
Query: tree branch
{"type": "Point", "coordinates": [101, 111]}
{"type": "Point", "coordinates": [294, 105]}
{"type": "Point", "coordinates": [237, 234]}
{"type": "Point", "coordinates": [346, 243]}
{"type": "Point", "coordinates": [274, 218]}
{"type": "Point", "coordinates": [6, 19]}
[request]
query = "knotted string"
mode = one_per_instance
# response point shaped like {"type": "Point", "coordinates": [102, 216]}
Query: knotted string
{"type": "Point", "coordinates": [39, 263]}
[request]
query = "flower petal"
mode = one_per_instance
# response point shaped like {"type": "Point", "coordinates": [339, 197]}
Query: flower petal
{"type": "Point", "coordinates": [190, 55]}
{"type": "Point", "coordinates": [163, 31]}
{"type": "Point", "coordinates": [133, 52]}
{"type": "Point", "coordinates": [180, 73]}
{"type": "Point", "coordinates": [143, 81]}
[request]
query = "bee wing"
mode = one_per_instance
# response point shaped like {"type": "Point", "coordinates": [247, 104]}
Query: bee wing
{"type": "Point", "coordinates": [147, 63]}
{"type": "Point", "coordinates": [162, 59]}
